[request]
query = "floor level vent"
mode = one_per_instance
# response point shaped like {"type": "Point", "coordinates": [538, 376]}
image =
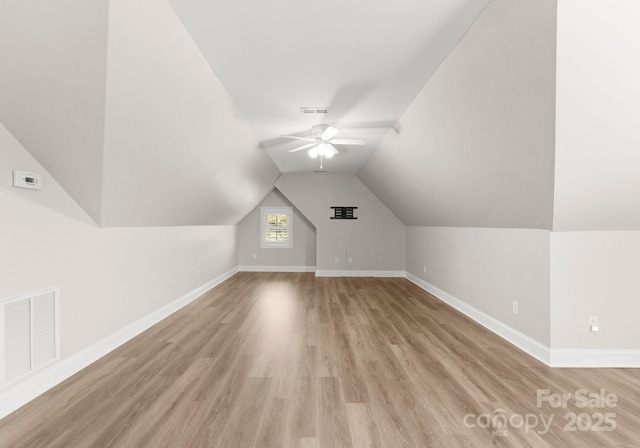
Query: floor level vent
{"type": "Point", "coordinates": [28, 334]}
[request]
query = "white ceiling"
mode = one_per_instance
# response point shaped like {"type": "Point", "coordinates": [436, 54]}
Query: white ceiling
{"type": "Point", "coordinates": [115, 100]}
{"type": "Point", "coordinates": [53, 58]}
{"type": "Point", "coordinates": [170, 112]}
{"type": "Point", "coordinates": [476, 147]}
{"type": "Point", "coordinates": [176, 149]}
{"type": "Point", "coordinates": [366, 60]}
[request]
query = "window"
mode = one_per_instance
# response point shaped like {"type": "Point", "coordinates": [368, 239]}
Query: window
{"type": "Point", "coordinates": [276, 228]}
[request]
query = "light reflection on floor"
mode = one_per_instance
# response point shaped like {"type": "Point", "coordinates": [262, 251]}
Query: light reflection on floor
{"type": "Point", "coordinates": [277, 327]}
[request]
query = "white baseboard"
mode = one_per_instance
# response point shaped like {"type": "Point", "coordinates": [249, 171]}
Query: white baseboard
{"type": "Point", "coordinates": [593, 358]}
{"type": "Point", "coordinates": [575, 358]}
{"type": "Point", "coordinates": [530, 346]}
{"type": "Point", "coordinates": [249, 268]}
{"type": "Point", "coordinates": [337, 273]}
{"type": "Point", "coordinates": [23, 392]}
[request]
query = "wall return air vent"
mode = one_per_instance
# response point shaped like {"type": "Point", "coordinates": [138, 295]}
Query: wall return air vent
{"type": "Point", "coordinates": [29, 334]}
{"type": "Point", "coordinates": [343, 213]}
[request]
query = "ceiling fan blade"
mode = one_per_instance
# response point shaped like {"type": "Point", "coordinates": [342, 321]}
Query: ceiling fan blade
{"type": "Point", "coordinates": [348, 141]}
{"type": "Point", "coordinates": [333, 149]}
{"type": "Point", "coordinates": [300, 148]}
{"type": "Point", "coordinates": [329, 133]}
{"type": "Point", "coordinates": [295, 137]}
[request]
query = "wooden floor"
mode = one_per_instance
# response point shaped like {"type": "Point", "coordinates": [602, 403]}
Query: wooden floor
{"type": "Point", "coordinates": [294, 361]}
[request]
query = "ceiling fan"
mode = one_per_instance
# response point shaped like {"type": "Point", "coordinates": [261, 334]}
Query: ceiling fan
{"type": "Point", "coordinates": [322, 141]}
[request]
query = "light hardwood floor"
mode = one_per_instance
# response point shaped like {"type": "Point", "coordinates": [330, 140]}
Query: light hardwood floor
{"type": "Point", "coordinates": [290, 360]}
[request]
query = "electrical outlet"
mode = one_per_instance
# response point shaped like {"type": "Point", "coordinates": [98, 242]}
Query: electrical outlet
{"type": "Point", "coordinates": [350, 260]}
{"type": "Point", "coordinates": [337, 260]}
{"type": "Point", "coordinates": [198, 273]}
{"type": "Point", "coordinates": [516, 305]}
{"type": "Point", "coordinates": [424, 269]}
{"type": "Point", "coordinates": [593, 323]}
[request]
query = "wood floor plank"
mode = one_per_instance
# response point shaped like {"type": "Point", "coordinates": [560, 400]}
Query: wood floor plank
{"type": "Point", "coordinates": [273, 429]}
{"type": "Point", "coordinates": [241, 428]}
{"type": "Point", "coordinates": [304, 399]}
{"type": "Point", "coordinates": [289, 360]}
{"type": "Point", "coordinates": [306, 442]}
{"type": "Point", "coordinates": [362, 427]}
{"type": "Point", "coordinates": [334, 426]}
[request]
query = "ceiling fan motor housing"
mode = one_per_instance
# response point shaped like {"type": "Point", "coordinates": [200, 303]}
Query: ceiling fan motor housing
{"type": "Point", "coordinates": [319, 129]}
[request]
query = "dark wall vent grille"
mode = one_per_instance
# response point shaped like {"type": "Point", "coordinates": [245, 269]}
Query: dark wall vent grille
{"type": "Point", "coordinates": [343, 212]}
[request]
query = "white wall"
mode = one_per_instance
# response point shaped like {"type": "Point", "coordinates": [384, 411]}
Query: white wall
{"type": "Point", "coordinates": [595, 274]}
{"type": "Point", "coordinates": [488, 269]}
{"type": "Point", "coordinates": [595, 248]}
{"type": "Point", "coordinates": [108, 278]}
{"type": "Point", "coordinates": [597, 140]}
{"type": "Point", "coordinates": [251, 255]}
{"type": "Point", "coordinates": [375, 241]}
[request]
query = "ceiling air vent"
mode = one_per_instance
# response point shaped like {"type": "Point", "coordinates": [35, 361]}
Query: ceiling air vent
{"type": "Point", "coordinates": [314, 110]}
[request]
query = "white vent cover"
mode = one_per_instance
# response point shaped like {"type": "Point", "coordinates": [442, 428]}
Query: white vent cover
{"type": "Point", "coordinates": [314, 110]}
{"type": "Point", "coordinates": [28, 334]}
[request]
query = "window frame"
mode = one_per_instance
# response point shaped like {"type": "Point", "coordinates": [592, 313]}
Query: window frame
{"type": "Point", "coordinates": [264, 211]}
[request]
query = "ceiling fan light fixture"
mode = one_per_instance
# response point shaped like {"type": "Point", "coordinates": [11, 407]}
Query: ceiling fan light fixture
{"type": "Point", "coordinates": [322, 140]}
{"type": "Point", "coordinates": [323, 149]}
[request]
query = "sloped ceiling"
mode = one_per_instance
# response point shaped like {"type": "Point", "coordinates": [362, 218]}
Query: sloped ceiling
{"type": "Point", "coordinates": [476, 146]}
{"type": "Point", "coordinates": [52, 88]}
{"type": "Point", "coordinates": [177, 150]}
{"type": "Point", "coordinates": [364, 59]}
{"type": "Point", "coordinates": [148, 119]}
{"type": "Point", "coordinates": [135, 126]}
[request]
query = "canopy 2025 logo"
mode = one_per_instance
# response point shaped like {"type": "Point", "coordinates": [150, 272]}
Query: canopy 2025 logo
{"type": "Point", "coordinates": [583, 399]}
{"type": "Point", "coordinates": [594, 418]}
